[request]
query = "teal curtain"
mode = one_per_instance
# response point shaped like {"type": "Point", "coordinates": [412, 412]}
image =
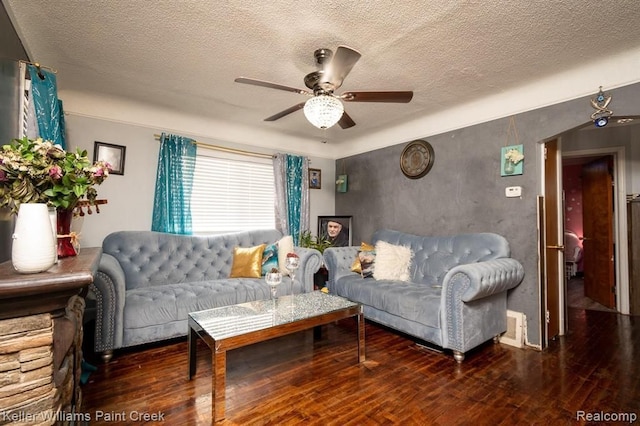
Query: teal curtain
{"type": "Point", "coordinates": [174, 182]}
{"type": "Point", "coordinates": [291, 174]}
{"type": "Point", "coordinates": [48, 108]}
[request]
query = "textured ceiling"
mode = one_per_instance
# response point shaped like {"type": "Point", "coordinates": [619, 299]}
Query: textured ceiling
{"type": "Point", "coordinates": [185, 54]}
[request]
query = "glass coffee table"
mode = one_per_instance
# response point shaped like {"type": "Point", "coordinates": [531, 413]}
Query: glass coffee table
{"type": "Point", "coordinates": [231, 327]}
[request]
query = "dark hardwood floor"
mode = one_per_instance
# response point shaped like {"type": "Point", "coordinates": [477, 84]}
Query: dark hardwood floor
{"type": "Point", "coordinates": [577, 299]}
{"type": "Point", "coordinates": [595, 369]}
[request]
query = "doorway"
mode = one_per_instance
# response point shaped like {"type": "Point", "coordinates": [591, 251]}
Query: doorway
{"type": "Point", "coordinates": [555, 297]}
{"type": "Point", "coordinates": [618, 224]}
{"type": "Point", "coordinates": [589, 231]}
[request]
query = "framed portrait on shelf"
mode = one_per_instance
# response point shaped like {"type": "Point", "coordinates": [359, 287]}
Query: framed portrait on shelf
{"type": "Point", "coordinates": [336, 229]}
{"type": "Point", "coordinates": [315, 179]}
{"type": "Point", "coordinates": [112, 154]}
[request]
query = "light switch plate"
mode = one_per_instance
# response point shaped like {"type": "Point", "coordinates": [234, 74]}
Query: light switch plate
{"type": "Point", "coordinates": [513, 191]}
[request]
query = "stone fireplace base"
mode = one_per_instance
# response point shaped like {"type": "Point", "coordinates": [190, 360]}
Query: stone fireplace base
{"type": "Point", "coordinates": [41, 346]}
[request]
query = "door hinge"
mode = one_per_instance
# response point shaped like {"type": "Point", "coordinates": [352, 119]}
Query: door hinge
{"type": "Point", "coordinates": [547, 317]}
{"type": "Point", "coordinates": [613, 289]}
{"type": "Point", "coordinates": [545, 152]}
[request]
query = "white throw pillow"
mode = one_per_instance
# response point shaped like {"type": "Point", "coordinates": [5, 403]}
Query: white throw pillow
{"type": "Point", "coordinates": [392, 262]}
{"type": "Point", "coordinates": [285, 245]}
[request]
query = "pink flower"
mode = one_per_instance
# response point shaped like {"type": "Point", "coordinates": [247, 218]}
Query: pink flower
{"type": "Point", "coordinates": [3, 176]}
{"type": "Point", "coordinates": [55, 172]}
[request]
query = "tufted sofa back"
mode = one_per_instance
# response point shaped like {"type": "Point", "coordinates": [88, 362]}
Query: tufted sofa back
{"type": "Point", "coordinates": [154, 258]}
{"type": "Point", "coordinates": [433, 257]}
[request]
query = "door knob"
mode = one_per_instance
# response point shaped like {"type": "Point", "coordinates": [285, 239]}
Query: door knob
{"type": "Point", "coordinates": [561, 248]}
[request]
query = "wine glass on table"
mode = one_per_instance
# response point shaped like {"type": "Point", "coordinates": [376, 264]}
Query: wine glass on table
{"type": "Point", "coordinates": [292, 264]}
{"type": "Point", "coordinates": [273, 278]}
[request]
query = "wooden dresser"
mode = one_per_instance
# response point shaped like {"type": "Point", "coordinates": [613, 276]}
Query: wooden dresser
{"type": "Point", "coordinates": [41, 340]}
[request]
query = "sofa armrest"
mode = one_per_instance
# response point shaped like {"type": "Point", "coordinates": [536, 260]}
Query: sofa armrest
{"type": "Point", "coordinates": [109, 290]}
{"type": "Point", "coordinates": [338, 261]}
{"type": "Point", "coordinates": [487, 278]}
{"type": "Point", "coordinates": [474, 301]}
{"type": "Point", "coordinates": [310, 263]}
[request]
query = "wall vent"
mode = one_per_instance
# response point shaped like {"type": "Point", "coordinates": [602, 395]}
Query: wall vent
{"type": "Point", "coordinates": [514, 334]}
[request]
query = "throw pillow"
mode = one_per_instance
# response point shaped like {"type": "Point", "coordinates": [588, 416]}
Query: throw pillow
{"type": "Point", "coordinates": [247, 262]}
{"type": "Point", "coordinates": [356, 266]}
{"type": "Point", "coordinates": [392, 262]}
{"type": "Point", "coordinates": [367, 260]}
{"type": "Point", "coordinates": [285, 245]}
{"type": "Point", "coordinates": [270, 258]}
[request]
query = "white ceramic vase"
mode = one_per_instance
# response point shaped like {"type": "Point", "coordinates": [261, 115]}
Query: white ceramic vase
{"type": "Point", "coordinates": [33, 248]}
{"type": "Point", "coordinates": [53, 218]}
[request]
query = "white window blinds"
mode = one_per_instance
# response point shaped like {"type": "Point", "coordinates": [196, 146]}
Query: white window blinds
{"type": "Point", "coordinates": [232, 193]}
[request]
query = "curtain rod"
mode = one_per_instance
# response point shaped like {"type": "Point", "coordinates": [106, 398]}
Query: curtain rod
{"type": "Point", "coordinates": [38, 66]}
{"type": "Point", "coordinates": [225, 149]}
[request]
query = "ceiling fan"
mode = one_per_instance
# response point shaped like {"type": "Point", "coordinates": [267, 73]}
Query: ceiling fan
{"type": "Point", "coordinates": [324, 108]}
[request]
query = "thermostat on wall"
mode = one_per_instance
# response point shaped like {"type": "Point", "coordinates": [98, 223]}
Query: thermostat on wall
{"type": "Point", "coordinates": [513, 191]}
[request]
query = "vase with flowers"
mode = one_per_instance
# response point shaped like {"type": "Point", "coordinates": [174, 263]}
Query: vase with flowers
{"type": "Point", "coordinates": [37, 171]}
{"type": "Point", "coordinates": [511, 159]}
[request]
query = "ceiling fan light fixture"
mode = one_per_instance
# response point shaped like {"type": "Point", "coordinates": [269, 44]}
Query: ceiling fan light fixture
{"type": "Point", "coordinates": [323, 111]}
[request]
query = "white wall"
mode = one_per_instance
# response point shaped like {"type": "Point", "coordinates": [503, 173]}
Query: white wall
{"type": "Point", "coordinates": [130, 196]}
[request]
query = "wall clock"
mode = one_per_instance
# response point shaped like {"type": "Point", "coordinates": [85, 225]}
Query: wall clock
{"type": "Point", "coordinates": [416, 159]}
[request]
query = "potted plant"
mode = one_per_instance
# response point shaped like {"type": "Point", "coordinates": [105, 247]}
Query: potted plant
{"type": "Point", "coordinates": [37, 171]}
{"type": "Point", "coordinates": [307, 239]}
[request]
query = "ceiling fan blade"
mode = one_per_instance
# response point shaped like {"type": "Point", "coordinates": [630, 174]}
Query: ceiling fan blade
{"type": "Point", "coordinates": [397, 97]}
{"type": "Point", "coordinates": [340, 66]}
{"type": "Point", "coordinates": [270, 85]}
{"type": "Point", "coordinates": [346, 121]}
{"type": "Point", "coordinates": [285, 112]}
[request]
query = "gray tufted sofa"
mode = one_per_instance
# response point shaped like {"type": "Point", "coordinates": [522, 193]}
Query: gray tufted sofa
{"type": "Point", "coordinates": [148, 282]}
{"type": "Point", "coordinates": [457, 294]}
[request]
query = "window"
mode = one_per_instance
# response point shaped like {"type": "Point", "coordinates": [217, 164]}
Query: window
{"type": "Point", "coordinates": [232, 193]}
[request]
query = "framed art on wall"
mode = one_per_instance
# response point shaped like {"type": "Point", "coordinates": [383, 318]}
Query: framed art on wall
{"type": "Point", "coordinates": [315, 179]}
{"type": "Point", "coordinates": [112, 154]}
{"type": "Point", "coordinates": [336, 229]}
{"type": "Point", "coordinates": [511, 160]}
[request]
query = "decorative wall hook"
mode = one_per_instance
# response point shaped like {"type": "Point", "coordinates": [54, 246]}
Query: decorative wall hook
{"type": "Point", "coordinates": [600, 103]}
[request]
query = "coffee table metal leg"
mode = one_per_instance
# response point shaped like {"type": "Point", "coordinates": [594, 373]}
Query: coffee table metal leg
{"type": "Point", "coordinates": [219, 366]}
{"type": "Point", "coordinates": [361, 355]}
{"type": "Point", "coordinates": [192, 338]}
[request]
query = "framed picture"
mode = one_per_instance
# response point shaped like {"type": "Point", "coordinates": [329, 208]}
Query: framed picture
{"type": "Point", "coordinates": [315, 179]}
{"type": "Point", "coordinates": [112, 154]}
{"type": "Point", "coordinates": [511, 160]}
{"type": "Point", "coordinates": [336, 229]}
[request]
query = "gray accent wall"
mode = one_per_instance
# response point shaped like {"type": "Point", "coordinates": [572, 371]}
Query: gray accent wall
{"type": "Point", "coordinates": [9, 129]}
{"type": "Point", "coordinates": [464, 191]}
{"type": "Point", "coordinates": [10, 46]}
{"type": "Point", "coordinates": [11, 50]}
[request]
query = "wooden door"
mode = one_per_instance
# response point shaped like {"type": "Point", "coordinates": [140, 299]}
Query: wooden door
{"type": "Point", "coordinates": [597, 200]}
{"type": "Point", "coordinates": [633, 217]}
{"type": "Point", "coordinates": [553, 238]}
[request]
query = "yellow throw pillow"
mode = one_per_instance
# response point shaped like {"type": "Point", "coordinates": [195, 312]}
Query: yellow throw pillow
{"type": "Point", "coordinates": [247, 262]}
{"type": "Point", "coordinates": [356, 266]}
